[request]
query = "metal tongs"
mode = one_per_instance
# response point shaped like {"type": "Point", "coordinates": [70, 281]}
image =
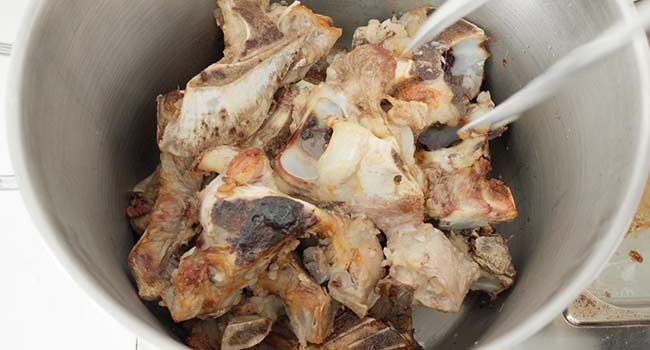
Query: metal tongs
{"type": "Point", "coordinates": [543, 86]}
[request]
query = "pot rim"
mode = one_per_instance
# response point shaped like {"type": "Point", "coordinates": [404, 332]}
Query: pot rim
{"type": "Point", "coordinates": [606, 247]}
{"type": "Point", "coordinates": [63, 253]}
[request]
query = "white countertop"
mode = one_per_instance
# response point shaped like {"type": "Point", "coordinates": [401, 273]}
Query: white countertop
{"type": "Point", "coordinates": [43, 308]}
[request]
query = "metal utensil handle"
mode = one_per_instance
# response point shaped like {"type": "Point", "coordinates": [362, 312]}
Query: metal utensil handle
{"type": "Point", "coordinates": [546, 84]}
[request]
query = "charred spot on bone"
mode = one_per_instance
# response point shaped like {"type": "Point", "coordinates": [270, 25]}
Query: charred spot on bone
{"type": "Point", "coordinates": [262, 223]}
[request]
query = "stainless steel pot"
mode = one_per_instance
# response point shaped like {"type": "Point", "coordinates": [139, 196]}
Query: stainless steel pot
{"type": "Point", "coordinates": [81, 112]}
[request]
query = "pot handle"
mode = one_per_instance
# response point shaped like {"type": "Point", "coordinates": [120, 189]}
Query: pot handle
{"type": "Point", "coordinates": [7, 182]}
{"type": "Point", "coordinates": [5, 49]}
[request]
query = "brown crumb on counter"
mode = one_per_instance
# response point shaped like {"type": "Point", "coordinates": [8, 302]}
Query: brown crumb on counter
{"type": "Point", "coordinates": [504, 63]}
{"type": "Point", "coordinates": [642, 217]}
{"type": "Point", "coordinates": [634, 255]}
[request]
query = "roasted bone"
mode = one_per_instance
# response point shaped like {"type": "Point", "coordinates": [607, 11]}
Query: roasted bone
{"type": "Point", "coordinates": [266, 47]}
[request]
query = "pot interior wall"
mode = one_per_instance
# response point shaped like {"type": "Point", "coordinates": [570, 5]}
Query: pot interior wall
{"type": "Point", "coordinates": [95, 68]}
